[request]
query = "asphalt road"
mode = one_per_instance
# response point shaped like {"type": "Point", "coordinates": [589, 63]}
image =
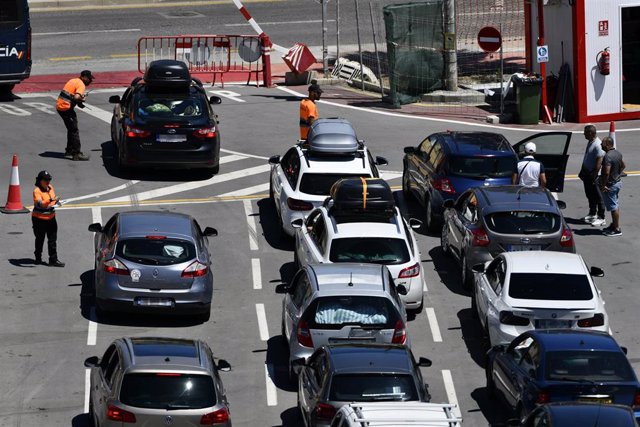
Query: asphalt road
{"type": "Point", "coordinates": [48, 325]}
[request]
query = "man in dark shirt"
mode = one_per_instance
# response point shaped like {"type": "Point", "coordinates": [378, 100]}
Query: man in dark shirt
{"type": "Point", "coordinates": [610, 183]}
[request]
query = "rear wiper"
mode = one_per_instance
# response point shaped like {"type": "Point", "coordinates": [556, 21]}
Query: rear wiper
{"type": "Point", "coordinates": [143, 260]}
{"type": "Point", "coordinates": [576, 380]}
{"type": "Point", "coordinates": [172, 407]}
{"type": "Point", "coordinates": [533, 231]}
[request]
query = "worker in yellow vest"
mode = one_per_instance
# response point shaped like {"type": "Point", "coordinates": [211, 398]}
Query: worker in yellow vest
{"type": "Point", "coordinates": [308, 109]}
{"type": "Point", "coordinates": [43, 218]}
{"type": "Point", "coordinates": [73, 93]}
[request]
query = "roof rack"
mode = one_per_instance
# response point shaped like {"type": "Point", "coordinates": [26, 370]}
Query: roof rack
{"type": "Point", "coordinates": [357, 196]}
{"type": "Point", "coordinates": [332, 137]}
{"type": "Point", "coordinates": [446, 409]}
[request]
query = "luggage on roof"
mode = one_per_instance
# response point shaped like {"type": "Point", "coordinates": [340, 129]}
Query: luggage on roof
{"type": "Point", "coordinates": [167, 74]}
{"type": "Point", "coordinates": [362, 195]}
{"type": "Point", "coordinates": [332, 136]}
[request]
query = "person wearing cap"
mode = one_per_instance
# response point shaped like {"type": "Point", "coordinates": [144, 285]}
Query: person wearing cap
{"type": "Point", "coordinates": [43, 219]}
{"type": "Point", "coordinates": [308, 109]}
{"type": "Point", "coordinates": [71, 95]}
{"type": "Point", "coordinates": [529, 172]}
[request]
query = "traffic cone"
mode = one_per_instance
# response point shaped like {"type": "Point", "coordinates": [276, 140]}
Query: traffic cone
{"type": "Point", "coordinates": [612, 132]}
{"type": "Point", "coordinates": [14, 203]}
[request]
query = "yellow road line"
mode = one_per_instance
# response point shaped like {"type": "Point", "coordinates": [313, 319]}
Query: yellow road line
{"type": "Point", "coordinates": [144, 5]}
{"type": "Point", "coordinates": [69, 58]}
{"type": "Point", "coordinates": [124, 55]}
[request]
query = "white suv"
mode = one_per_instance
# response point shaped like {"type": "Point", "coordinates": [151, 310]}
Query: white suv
{"type": "Point", "coordinates": [396, 414]}
{"type": "Point", "coordinates": [302, 178]}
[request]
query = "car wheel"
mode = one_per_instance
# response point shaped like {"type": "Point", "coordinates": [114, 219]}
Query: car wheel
{"type": "Point", "coordinates": [444, 241]}
{"type": "Point", "coordinates": [465, 274]}
{"type": "Point", "coordinates": [405, 186]}
{"type": "Point", "coordinates": [432, 222]}
{"type": "Point", "coordinates": [491, 387]}
{"type": "Point", "coordinates": [474, 303]}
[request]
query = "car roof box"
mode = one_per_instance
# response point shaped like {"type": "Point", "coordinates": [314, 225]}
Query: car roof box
{"type": "Point", "coordinates": [370, 196]}
{"type": "Point", "coordinates": [167, 74]}
{"type": "Point", "coordinates": [332, 136]}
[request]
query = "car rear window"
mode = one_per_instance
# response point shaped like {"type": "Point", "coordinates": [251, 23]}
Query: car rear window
{"type": "Point", "coordinates": [156, 250]}
{"type": "Point", "coordinates": [337, 311]}
{"type": "Point", "coordinates": [168, 108]}
{"type": "Point", "coordinates": [375, 250]}
{"type": "Point", "coordinates": [590, 365]}
{"type": "Point", "coordinates": [373, 387]}
{"type": "Point", "coordinates": [523, 222]}
{"type": "Point", "coordinates": [319, 184]}
{"type": "Point", "coordinates": [168, 391]}
{"type": "Point", "coordinates": [482, 167]}
{"type": "Point", "coordinates": [11, 11]}
{"type": "Point", "coordinates": [552, 287]}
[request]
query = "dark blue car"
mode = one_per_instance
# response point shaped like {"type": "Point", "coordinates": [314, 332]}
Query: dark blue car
{"type": "Point", "coordinates": [543, 366]}
{"type": "Point", "coordinates": [446, 164]}
{"type": "Point", "coordinates": [580, 414]}
{"type": "Point", "coordinates": [15, 43]}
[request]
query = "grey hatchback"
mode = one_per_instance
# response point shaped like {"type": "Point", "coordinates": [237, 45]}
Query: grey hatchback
{"type": "Point", "coordinates": [486, 221]}
{"type": "Point", "coordinates": [153, 261]}
{"type": "Point", "coordinates": [157, 381]}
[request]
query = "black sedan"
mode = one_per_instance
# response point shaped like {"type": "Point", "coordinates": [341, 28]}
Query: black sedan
{"type": "Point", "coordinates": [579, 414]}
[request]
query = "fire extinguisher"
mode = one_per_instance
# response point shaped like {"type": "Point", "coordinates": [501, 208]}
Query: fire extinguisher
{"type": "Point", "coordinates": [603, 58]}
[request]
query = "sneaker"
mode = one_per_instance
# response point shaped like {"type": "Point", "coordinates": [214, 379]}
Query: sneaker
{"type": "Point", "coordinates": [598, 222]}
{"type": "Point", "coordinates": [68, 155]}
{"type": "Point", "coordinates": [608, 228]}
{"type": "Point", "coordinates": [612, 233]}
{"type": "Point", "coordinates": [589, 218]}
{"type": "Point", "coordinates": [79, 157]}
{"type": "Point", "coordinates": [56, 263]}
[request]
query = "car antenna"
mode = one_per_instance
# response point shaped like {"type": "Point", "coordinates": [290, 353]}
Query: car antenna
{"type": "Point", "coordinates": [350, 279]}
{"type": "Point", "coordinates": [519, 190]}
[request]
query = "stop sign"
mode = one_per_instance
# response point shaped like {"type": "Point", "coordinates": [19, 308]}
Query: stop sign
{"type": "Point", "coordinates": [489, 39]}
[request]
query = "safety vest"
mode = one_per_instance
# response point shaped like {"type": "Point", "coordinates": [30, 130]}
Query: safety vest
{"type": "Point", "coordinates": [43, 207]}
{"type": "Point", "coordinates": [65, 99]}
{"type": "Point", "coordinates": [307, 109]}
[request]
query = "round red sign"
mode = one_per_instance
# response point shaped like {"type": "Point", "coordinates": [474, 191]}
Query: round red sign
{"type": "Point", "coordinates": [489, 39]}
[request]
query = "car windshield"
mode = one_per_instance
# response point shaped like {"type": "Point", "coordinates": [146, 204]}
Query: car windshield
{"type": "Point", "coordinates": [523, 222]}
{"type": "Point", "coordinates": [168, 391]}
{"type": "Point", "coordinates": [589, 365]}
{"type": "Point", "coordinates": [319, 184]}
{"type": "Point", "coordinates": [482, 167]}
{"type": "Point", "coordinates": [168, 108]}
{"type": "Point", "coordinates": [337, 311]}
{"type": "Point", "coordinates": [155, 250]}
{"type": "Point", "coordinates": [552, 287]}
{"type": "Point", "coordinates": [372, 387]}
{"type": "Point", "coordinates": [375, 250]}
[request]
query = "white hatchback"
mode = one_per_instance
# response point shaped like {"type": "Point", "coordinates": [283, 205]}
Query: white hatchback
{"type": "Point", "coordinates": [520, 291]}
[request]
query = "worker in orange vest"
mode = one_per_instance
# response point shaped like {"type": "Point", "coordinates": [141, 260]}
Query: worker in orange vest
{"type": "Point", "coordinates": [308, 109]}
{"type": "Point", "coordinates": [43, 218]}
{"type": "Point", "coordinates": [71, 95]}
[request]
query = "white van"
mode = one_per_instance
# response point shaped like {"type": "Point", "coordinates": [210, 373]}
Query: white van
{"type": "Point", "coordinates": [397, 414]}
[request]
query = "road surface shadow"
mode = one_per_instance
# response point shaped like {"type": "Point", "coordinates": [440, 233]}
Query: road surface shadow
{"type": "Point", "coordinates": [81, 420]}
{"type": "Point", "coordinates": [23, 262]}
{"type": "Point", "coordinates": [473, 336]}
{"type": "Point", "coordinates": [278, 363]}
{"type": "Point", "coordinates": [448, 271]}
{"type": "Point", "coordinates": [287, 271]}
{"type": "Point", "coordinates": [491, 407]}
{"type": "Point", "coordinates": [53, 154]}
{"type": "Point", "coordinates": [291, 418]}
{"type": "Point", "coordinates": [271, 230]}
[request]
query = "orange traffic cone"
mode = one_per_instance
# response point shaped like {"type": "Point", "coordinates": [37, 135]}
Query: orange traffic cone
{"type": "Point", "coordinates": [14, 202]}
{"type": "Point", "coordinates": [612, 132]}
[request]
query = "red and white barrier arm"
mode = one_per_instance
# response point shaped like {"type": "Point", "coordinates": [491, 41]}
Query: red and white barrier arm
{"type": "Point", "coordinates": [257, 27]}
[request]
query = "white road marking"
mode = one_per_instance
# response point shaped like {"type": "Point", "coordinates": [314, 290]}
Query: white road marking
{"type": "Point", "coordinates": [14, 111]}
{"type": "Point", "coordinates": [193, 185]}
{"type": "Point", "coordinates": [102, 193]}
{"type": "Point", "coordinates": [64, 33]}
{"type": "Point", "coordinates": [96, 112]}
{"type": "Point", "coordinates": [228, 94]}
{"type": "Point", "coordinates": [272, 394]}
{"type": "Point", "coordinates": [311, 21]}
{"type": "Point", "coordinates": [433, 324]}
{"type": "Point", "coordinates": [231, 158]}
{"type": "Point", "coordinates": [87, 389]}
{"type": "Point", "coordinates": [256, 273]}
{"type": "Point", "coordinates": [451, 392]}
{"type": "Point", "coordinates": [41, 106]}
{"type": "Point", "coordinates": [224, 150]}
{"type": "Point", "coordinates": [389, 175]}
{"type": "Point", "coordinates": [262, 322]}
{"type": "Point", "coordinates": [251, 224]}
{"type": "Point", "coordinates": [92, 332]}
{"type": "Point", "coordinates": [424, 285]}
{"type": "Point", "coordinates": [247, 191]}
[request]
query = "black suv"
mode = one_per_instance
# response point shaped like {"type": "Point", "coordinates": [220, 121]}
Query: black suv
{"type": "Point", "coordinates": [166, 120]}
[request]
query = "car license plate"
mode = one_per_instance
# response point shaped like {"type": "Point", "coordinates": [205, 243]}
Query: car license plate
{"type": "Point", "coordinates": [360, 333]}
{"type": "Point", "coordinates": [517, 248]}
{"type": "Point", "coordinates": [171, 138]}
{"type": "Point", "coordinates": [589, 399]}
{"type": "Point", "coordinates": [552, 324]}
{"type": "Point", "coordinates": [154, 302]}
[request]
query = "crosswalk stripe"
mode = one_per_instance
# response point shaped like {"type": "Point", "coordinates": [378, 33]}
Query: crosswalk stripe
{"type": "Point", "coordinates": [246, 191]}
{"type": "Point", "coordinates": [231, 158]}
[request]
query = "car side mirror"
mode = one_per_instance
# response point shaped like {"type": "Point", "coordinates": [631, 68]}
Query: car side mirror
{"type": "Point", "coordinates": [274, 160]}
{"type": "Point", "coordinates": [415, 223]}
{"type": "Point", "coordinates": [561, 204]}
{"type": "Point", "coordinates": [402, 289]}
{"type": "Point", "coordinates": [448, 204]}
{"type": "Point", "coordinates": [381, 161]}
{"type": "Point", "coordinates": [210, 231]}
{"type": "Point", "coordinates": [424, 362]}
{"type": "Point", "coordinates": [92, 362]}
{"type": "Point", "coordinates": [114, 99]}
{"type": "Point", "coordinates": [215, 100]}
{"type": "Point", "coordinates": [625, 350]}
{"type": "Point", "coordinates": [478, 268]}
{"type": "Point", "coordinates": [297, 223]}
{"type": "Point", "coordinates": [283, 288]}
{"type": "Point", "coordinates": [223, 365]}
{"type": "Point", "coordinates": [95, 227]}
{"type": "Point", "coordinates": [409, 150]}
{"type": "Point", "coordinates": [596, 272]}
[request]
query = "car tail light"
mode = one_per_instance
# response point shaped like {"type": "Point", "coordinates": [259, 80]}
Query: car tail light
{"type": "Point", "coordinates": [303, 334]}
{"type": "Point", "coordinates": [480, 237]}
{"type": "Point", "coordinates": [134, 132]}
{"type": "Point", "coordinates": [117, 414]}
{"type": "Point", "coordinates": [596, 320]}
{"type": "Point", "coordinates": [399, 333]}
{"type": "Point", "coordinates": [543, 397]}
{"type": "Point", "coordinates": [195, 269]}
{"type": "Point", "coordinates": [205, 132]}
{"type": "Point", "coordinates": [636, 398]}
{"type": "Point", "coordinates": [412, 271]}
{"type": "Point", "coordinates": [508, 318]}
{"type": "Point", "coordinates": [156, 237]}
{"type": "Point", "coordinates": [566, 241]}
{"type": "Point", "coordinates": [325, 412]}
{"type": "Point", "coordinates": [299, 205]}
{"type": "Point", "coordinates": [219, 416]}
{"type": "Point", "coordinates": [114, 266]}
{"type": "Point", "coordinates": [444, 185]}
{"type": "Point", "coordinates": [171, 125]}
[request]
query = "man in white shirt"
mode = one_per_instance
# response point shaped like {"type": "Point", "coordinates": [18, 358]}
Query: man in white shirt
{"type": "Point", "coordinates": [530, 172]}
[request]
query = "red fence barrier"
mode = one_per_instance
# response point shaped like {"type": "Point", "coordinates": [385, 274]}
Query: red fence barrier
{"type": "Point", "coordinates": [217, 55]}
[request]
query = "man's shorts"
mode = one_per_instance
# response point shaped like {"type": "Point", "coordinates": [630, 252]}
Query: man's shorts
{"type": "Point", "coordinates": [610, 197]}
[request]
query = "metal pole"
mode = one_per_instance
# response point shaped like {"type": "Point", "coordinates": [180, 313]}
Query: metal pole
{"type": "Point", "coordinates": [375, 47]}
{"type": "Point", "coordinates": [543, 65]}
{"type": "Point", "coordinates": [359, 44]}
{"type": "Point", "coordinates": [501, 76]}
{"type": "Point", "coordinates": [337, 29]}
{"type": "Point", "coordinates": [451, 59]}
{"type": "Point", "coordinates": [325, 59]}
